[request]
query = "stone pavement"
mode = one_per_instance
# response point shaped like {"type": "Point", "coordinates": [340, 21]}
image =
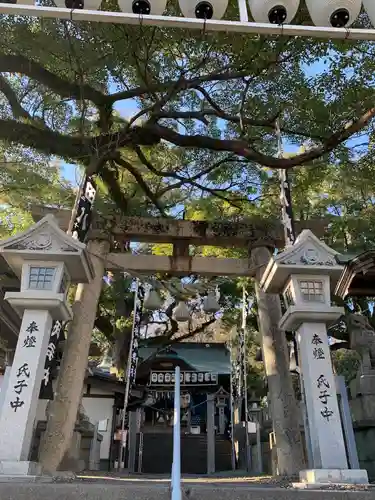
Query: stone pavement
{"type": "Point", "coordinates": [141, 489]}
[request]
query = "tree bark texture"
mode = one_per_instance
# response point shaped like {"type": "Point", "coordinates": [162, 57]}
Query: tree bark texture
{"type": "Point", "coordinates": [285, 413]}
{"type": "Point", "coordinates": [63, 410]}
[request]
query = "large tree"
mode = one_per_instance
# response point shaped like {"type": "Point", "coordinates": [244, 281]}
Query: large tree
{"type": "Point", "coordinates": [207, 110]}
{"type": "Point", "coordinates": [208, 96]}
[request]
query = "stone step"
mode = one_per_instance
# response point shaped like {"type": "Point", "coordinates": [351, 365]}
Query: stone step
{"type": "Point", "coordinates": [158, 453]}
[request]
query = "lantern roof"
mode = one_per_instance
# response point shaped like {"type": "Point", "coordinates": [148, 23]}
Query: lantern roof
{"type": "Point", "coordinates": [45, 241]}
{"type": "Point", "coordinates": [308, 256]}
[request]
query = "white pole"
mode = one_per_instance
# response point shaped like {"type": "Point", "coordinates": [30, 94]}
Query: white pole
{"type": "Point", "coordinates": [176, 465]}
{"type": "Point", "coordinates": [259, 448]}
{"type": "Point", "coordinates": [124, 434]}
{"type": "Point", "coordinates": [244, 354]}
{"type": "Point", "coordinates": [232, 405]}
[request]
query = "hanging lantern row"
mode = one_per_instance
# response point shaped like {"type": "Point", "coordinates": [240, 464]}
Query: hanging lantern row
{"type": "Point", "coordinates": [323, 13]}
{"type": "Point", "coordinates": [210, 303]}
{"type": "Point", "coordinates": [174, 286]}
{"type": "Point", "coordinates": [181, 312]}
{"type": "Point", "coordinates": [153, 302]}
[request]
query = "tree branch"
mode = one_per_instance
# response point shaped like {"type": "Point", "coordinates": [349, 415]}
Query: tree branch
{"type": "Point", "coordinates": [201, 116]}
{"type": "Point", "coordinates": [103, 323]}
{"type": "Point", "coordinates": [189, 180]}
{"type": "Point", "coordinates": [182, 84]}
{"type": "Point", "coordinates": [173, 175]}
{"type": "Point", "coordinates": [42, 139]}
{"type": "Point", "coordinates": [68, 147]}
{"type": "Point", "coordinates": [138, 177]}
{"type": "Point", "coordinates": [115, 191]}
{"type": "Point", "coordinates": [19, 64]}
{"type": "Point", "coordinates": [64, 88]}
{"type": "Point", "coordinates": [242, 148]}
{"type": "Point", "coordinates": [184, 115]}
{"type": "Point", "coordinates": [196, 331]}
{"type": "Point", "coordinates": [11, 96]}
{"type": "Point", "coordinates": [74, 147]}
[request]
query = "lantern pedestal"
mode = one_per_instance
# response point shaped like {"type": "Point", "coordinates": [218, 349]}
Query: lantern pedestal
{"type": "Point", "coordinates": [304, 273]}
{"type": "Point", "coordinates": [327, 477]}
{"type": "Point", "coordinates": [21, 469]}
{"type": "Point", "coordinates": [326, 435]}
{"type": "Point", "coordinates": [46, 260]}
{"type": "Point", "coordinates": [325, 428]}
{"type": "Point", "coordinates": [21, 397]}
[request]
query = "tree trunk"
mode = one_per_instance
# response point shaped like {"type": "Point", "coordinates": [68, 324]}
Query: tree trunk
{"type": "Point", "coordinates": [285, 416]}
{"type": "Point", "coordinates": [63, 410]}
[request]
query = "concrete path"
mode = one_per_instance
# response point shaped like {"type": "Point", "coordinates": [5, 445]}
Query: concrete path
{"type": "Point", "coordinates": [157, 490]}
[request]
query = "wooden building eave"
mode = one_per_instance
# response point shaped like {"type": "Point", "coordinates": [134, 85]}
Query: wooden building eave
{"type": "Point", "coordinates": [358, 277]}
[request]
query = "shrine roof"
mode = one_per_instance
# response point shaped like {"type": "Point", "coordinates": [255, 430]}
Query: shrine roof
{"type": "Point", "coordinates": [210, 357]}
{"type": "Point", "coordinates": [358, 276]}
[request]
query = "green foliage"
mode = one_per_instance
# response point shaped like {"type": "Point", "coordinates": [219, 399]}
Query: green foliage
{"type": "Point", "coordinates": [204, 101]}
{"type": "Point", "coordinates": [346, 363]}
{"type": "Point", "coordinates": [27, 181]}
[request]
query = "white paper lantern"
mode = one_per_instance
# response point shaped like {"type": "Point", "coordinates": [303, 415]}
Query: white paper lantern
{"type": "Point", "coordinates": [370, 9]}
{"type": "Point", "coordinates": [143, 7]}
{"type": "Point", "coordinates": [107, 361]}
{"type": "Point", "coordinates": [78, 4]}
{"type": "Point", "coordinates": [181, 313]}
{"type": "Point", "coordinates": [152, 301]}
{"type": "Point", "coordinates": [203, 9]}
{"type": "Point", "coordinates": [22, 2]}
{"type": "Point", "coordinates": [210, 303]}
{"type": "Point", "coordinates": [333, 13]}
{"type": "Point", "coordinates": [273, 11]}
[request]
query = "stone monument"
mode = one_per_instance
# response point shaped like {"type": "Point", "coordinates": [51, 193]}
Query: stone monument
{"type": "Point", "coordinates": [304, 273]}
{"type": "Point", "coordinates": [46, 260]}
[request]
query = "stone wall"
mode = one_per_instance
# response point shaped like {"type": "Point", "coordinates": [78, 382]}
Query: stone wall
{"type": "Point", "coordinates": [365, 439]}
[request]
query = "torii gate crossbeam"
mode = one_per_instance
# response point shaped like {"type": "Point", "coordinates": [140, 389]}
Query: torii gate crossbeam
{"type": "Point", "coordinates": [249, 234]}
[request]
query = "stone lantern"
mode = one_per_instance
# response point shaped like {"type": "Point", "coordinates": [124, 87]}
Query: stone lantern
{"type": "Point", "coordinates": [305, 274]}
{"type": "Point", "coordinates": [47, 261]}
{"type": "Point", "coordinates": [221, 402]}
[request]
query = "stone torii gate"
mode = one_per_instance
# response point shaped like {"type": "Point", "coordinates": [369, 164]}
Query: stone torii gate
{"type": "Point", "coordinates": [257, 236]}
{"type": "Point", "coordinates": [257, 232]}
